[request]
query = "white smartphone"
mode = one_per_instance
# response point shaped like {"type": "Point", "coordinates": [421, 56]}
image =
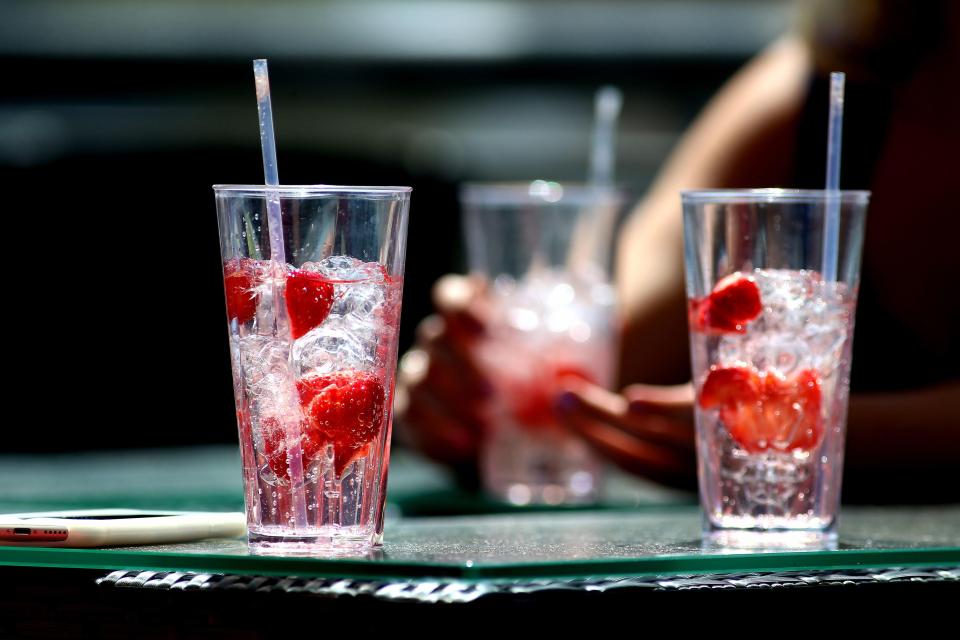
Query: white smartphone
{"type": "Point", "coordinates": [116, 527]}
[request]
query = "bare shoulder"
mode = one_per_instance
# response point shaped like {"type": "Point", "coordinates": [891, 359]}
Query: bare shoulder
{"type": "Point", "coordinates": [745, 135]}
{"type": "Point", "coordinates": [743, 138]}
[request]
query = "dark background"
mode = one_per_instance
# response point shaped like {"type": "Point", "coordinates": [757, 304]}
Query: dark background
{"type": "Point", "coordinates": [116, 117]}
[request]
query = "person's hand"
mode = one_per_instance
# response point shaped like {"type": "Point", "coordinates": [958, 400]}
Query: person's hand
{"type": "Point", "coordinates": [441, 391]}
{"type": "Point", "coordinates": [645, 430]}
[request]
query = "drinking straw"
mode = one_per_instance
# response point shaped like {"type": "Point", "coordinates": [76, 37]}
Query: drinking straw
{"type": "Point", "coordinates": [278, 258]}
{"type": "Point", "coordinates": [607, 105]}
{"type": "Point", "coordinates": [269, 148]}
{"type": "Point", "coordinates": [831, 223]}
{"type": "Point", "coordinates": [595, 220]}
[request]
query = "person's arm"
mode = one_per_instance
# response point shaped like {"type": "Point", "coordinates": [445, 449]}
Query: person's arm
{"type": "Point", "coordinates": [900, 445]}
{"type": "Point", "coordinates": [889, 428]}
{"type": "Point", "coordinates": [440, 391]}
{"type": "Point", "coordinates": [743, 138]}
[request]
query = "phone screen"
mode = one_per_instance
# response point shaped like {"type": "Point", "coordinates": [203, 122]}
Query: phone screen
{"type": "Point", "coordinates": [105, 517]}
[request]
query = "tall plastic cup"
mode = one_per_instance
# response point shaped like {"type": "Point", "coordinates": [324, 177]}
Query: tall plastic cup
{"type": "Point", "coordinates": [771, 353]}
{"type": "Point", "coordinates": [544, 250]}
{"type": "Point", "coordinates": [313, 343]}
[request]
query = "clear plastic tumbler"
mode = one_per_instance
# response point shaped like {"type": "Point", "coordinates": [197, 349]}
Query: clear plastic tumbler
{"type": "Point", "coordinates": [771, 353]}
{"type": "Point", "coordinates": [544, 249]}
{"type": "Point", "coordinates": [313, 342]}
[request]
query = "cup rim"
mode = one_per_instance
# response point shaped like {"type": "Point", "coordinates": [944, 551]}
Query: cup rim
{"type": "Point", "coordinates": [524, 192]}
{"type": "Point", "coordinates": [306, 190]}
{"type": "Point", "coordinates": [854, 196]}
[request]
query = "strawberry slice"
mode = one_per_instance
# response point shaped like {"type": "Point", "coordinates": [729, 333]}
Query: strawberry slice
{"type": "Point", "coordinates": [309, 298]}
{"type": "Point", "coordinates": [275, 446]}
{"type": "Point", "coordinates": [729, 385]}
{"type": "Point", "coordinates": [532, 399]}
{"type": "Point", "coordinates": [791, 406]}
{"type": "Point", "coordinates": [733, 303]}
{"type": "Point", "coordinates": [239, 280]}
{"type": "Point", "coordinates": [764, 411]}
{"type": "Point", "coordinates": [344, 409]}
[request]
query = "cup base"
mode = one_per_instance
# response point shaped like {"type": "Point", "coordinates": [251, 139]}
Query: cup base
{"type": "Point", "coordinates": [548, 467]}
{"type": "Point", "coordinates": [543, 494]}
{"type": "Point", "coordinates": [769, 539]}
{"type": "Point", "coordinates": [333, 544]}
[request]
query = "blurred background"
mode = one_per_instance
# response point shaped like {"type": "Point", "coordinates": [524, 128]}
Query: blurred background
{"type": "Point", "coordinates": [116, 117]}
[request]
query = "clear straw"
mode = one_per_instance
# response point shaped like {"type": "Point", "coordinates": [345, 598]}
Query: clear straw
{"type": "Point", "coordinates": [607, 104]}
{"type": "Point", "coordinates": [269, 148]}
{"type": "Point", "coordinates": [588, 248]}
{"type": "Point", "coordinates": [278, 260]}
{"type": "Point", "coordinates": [831, 223]}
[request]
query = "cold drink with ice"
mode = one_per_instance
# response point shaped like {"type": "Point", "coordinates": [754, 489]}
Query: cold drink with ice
{"type": "Point", "coordinates": [548, 328]}
{"type": "Point", "coordinates": [771, 353]}
{"type": "Point", "coordinates": [544, 250]}
{"type": "Point", "coordinates": [321, 396]}
{"type": "Point", "coordinates": [313, 343]}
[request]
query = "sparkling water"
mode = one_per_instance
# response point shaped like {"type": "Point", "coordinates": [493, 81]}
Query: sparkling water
{"type": "Point", "coordinates": [334, 500]}
{"type": "Point", "coordinates": [548, 326]}
{"type": "Point", "coordinates": [805, 328]}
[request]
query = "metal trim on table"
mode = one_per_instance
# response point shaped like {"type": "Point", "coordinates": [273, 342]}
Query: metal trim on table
{"type": "Point", "coordinates": [462, 592]}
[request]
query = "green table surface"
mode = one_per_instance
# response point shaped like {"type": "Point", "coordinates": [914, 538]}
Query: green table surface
{"type": "Point", "coordinates": [639, 530]}
{"type": "Point", "coordinates": [209, 478]}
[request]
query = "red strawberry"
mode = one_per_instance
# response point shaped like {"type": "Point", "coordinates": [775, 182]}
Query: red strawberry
{"type": "Point", "coordinates": [275, 445]}
{"type": "Point", "coordinates": [239, 281]}
{"type": "Point", "coordinates": [344, 409]}
{"type": "Point", "coordinates": [533, 399]}
{"type": "Point", "coordinates": [729, 385]}
{"type": "Point", "coordinates": [309, 298]}
{"type": "Point", "coordinates": [733, 303]}
{"type": "Point", "coordinates": [766, 411]}
{"type": "Point", "coordinates": [791, 409]}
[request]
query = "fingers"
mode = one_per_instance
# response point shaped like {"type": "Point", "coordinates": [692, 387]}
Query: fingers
{"type": "Point", "coordinates": [460, 302]}
{"type": "Point", "coordinates": [438, 434]}
{"type": "Point", "coordinates": [441, 391]}
{"type": "Point", "coordinates": [450, 384]}
{"type": "Point", "coordinates": [658, 444]}
{"type": "Point", "coordinates": [672, 402]}
{"type": "Point", "coordinates": [422, 420]}
{"type": "Point", "coordinates": [452, 360]}
{"type": "Point", "coordinates": [660, 419]}
{"type": "Point", "coordinates": [640, 457]}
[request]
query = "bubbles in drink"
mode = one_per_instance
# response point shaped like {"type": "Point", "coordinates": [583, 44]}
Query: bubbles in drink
{"type": "Point", "coordinates": [550, 304]}
{"type": "Point", "coordinates": [360, 320]}
{"type": "Point", "coordinates": [346, 269]}
{"type": "Point", "coordinates": [264, 365]}
{"type": "Point", "coordinates": [314, 382]}
{"type": "Point", "coordinates": [803, 325]}
{"type": "Point", "coordinates": [548, 327]}
{"type": "Point", "coordinates": [333, 346]}
{"type": "Point", "coordinates": [767, 395]}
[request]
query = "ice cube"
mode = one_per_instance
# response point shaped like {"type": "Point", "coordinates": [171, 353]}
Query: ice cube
{"type": "Point", "coordinates": [782, 352]}
{"type": "Point", "coordinates": [360, 300]}
{"type": "Point", "coordinates": [261, 356]}
{"type": "Point", "coordinates": [338, 343]}
{"type": "Point", "coordinates": [358, 288]}
{"type": "Point", "coordinates": [826, 341]}
{"type": "Point", "coordinates": [266, 374]}
{"type": "Point", "coordinates": [803, 324]}
{"type": "Point", "coordinates": [555, 301]}
{"type": "Point", "coordinates": [347, 269]}
{"type": "Point", "coordinates": [784, 295]}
